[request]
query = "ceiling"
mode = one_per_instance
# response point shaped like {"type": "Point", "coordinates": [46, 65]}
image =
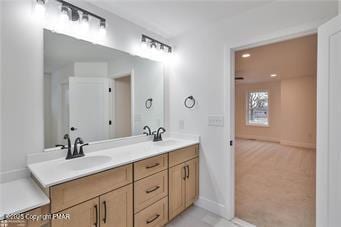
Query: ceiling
{"type": "Point", "coordinates": [61, 50]}
{"type": "Point", "coordinates": [171, 18]}
{"type": "Point", "coordinates": [288, 59]}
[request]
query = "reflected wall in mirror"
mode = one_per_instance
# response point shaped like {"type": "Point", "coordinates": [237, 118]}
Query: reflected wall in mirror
{"type": "Point", "coordinates": [98, 93]}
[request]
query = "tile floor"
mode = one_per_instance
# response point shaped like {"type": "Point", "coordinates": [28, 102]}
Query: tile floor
{"type": "Point", "coordinates": [198, 217]}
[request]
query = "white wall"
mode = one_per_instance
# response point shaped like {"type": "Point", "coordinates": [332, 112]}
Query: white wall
{"type": "Point", "coordinates": [339, 6]}
{"type": "Point", "coordinates": [298, 114]}
{"type": "Point", "coordinates": [91, 69]}
{"type": "Point", "coordinates": [1, 150]}
{"type": "Point", "coordinates": [22, 70]}
{"type": "Point", "coordinates": [22, 85]}
{"type": "Point", "coordinates": [201, 73]}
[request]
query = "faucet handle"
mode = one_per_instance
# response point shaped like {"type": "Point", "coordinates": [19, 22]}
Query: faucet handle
{"type": "Point", "coordinates": [81, 152]}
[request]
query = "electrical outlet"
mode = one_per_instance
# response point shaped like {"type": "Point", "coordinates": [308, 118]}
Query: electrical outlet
{"type": "Point", "coordinates": [216, 121]}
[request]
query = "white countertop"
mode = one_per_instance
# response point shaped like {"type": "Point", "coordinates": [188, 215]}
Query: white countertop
{"type": "Point", "coordinates": [20, 196]}
{"type": "Point", "coordinates": [52, 172]}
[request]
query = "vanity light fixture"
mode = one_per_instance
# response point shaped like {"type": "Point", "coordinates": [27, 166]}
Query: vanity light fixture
{"type": "Point", "coordinates": [155, 44]}
{"type": "Point", "coordinates": [70, 12]}
{"type": "Point", "coordinates": [246, 55]}
{"type": "Point", "coordinates": [273, 75]}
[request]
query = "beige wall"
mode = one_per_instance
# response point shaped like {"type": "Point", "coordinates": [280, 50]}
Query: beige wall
{"type": "Point", "coordinates": [122, 107]}
{"type": "Point", "coordinates": [299, 111]}
{"type": "Point", "coordinates": [292, 112]}
{"type": "Point", "coordinates": [270, 133]}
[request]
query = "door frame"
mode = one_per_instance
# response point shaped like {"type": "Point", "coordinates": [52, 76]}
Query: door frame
{"type": "Point", "coordinates": [229, 100]}
{"type": "Point", "coordinates": [327, 160]}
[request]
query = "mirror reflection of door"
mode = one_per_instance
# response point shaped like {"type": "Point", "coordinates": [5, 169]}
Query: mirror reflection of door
{"type": "Point", "coordinates": [89, 108]}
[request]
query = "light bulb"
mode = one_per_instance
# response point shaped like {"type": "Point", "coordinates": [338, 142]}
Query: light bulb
{"type": "Point", "coordinates": [39, 9]}
{"type": "Point", "coordinates": [85, 22]}
{"type": "Point", "coordinates": [102, 29]}
{"type": "Point", "coordinates": [64, 14]}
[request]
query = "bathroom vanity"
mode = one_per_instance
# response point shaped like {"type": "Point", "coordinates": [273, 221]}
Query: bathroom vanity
{"type": "Point", "coordinates": [148, 186]}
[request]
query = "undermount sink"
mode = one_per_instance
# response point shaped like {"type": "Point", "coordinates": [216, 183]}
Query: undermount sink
{"type": "Point", "coordinates": [85, 162]}
{"type": "Point", "coordinates": [166, 143]}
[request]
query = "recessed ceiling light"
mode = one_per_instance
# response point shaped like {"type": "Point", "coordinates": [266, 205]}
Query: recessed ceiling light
{"type": "Point", "coordinates": [246, 55]}
{"type": "Point", "coordinates": [273, 75]}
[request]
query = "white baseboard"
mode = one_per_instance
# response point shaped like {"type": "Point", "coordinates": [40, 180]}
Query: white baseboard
{"type": "Point", "coordinates": [211, 206]}
{"type": "Point", "coordinates": [298, 144]}
{"type": "Point", "coordinates": [261, 138]}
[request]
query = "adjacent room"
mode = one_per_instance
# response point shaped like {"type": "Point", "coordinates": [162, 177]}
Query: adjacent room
{"type": "Point", "coordinates": [275, 95]}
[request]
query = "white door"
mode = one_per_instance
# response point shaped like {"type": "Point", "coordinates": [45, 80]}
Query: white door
{"type": "Point", "coordinates": [89, 108]}
{"type": "Point", "coordinates": [328, 198]}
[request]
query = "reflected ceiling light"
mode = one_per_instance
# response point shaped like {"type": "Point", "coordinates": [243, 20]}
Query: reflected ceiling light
{"type": "Point", "coordinates": [273, 75]}
{"type": "Point", "coordinates": [39, 8]}
{"type": "Point", "coordinates": [246, 55]}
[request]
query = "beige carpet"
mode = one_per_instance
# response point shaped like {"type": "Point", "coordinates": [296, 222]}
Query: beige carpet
{"type": "Point", "coordinates": [275, 184]}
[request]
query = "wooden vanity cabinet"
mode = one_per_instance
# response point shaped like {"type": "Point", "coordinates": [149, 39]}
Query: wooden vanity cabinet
{"type": "Point", "coordinates": [111, 209]}
{"type": "Point", "coordinates": [116, 208]}
{"type": "Point", "coordinates": [99, 200]}
{"type": "Point", "coordinates": [84, 214]}
{"type": "Point", "coordinates": [183, 180]}
{"type": "Point", "coordinates": [147, 193]}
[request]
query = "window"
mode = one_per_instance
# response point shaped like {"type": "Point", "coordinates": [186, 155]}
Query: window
{"type": "Point", "coordinates": [258, 108]}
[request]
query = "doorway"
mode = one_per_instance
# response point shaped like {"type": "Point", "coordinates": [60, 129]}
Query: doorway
{"type": "Point", "coordinates": [275, 130]}
{"type": "Point", "coordinates": [122, 107]}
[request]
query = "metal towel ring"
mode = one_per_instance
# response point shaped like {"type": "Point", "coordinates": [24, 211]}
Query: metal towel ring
{"type": "Point", "coordinates": [149, 102]}
{"type": "Point", "coordinates": [193, 102]}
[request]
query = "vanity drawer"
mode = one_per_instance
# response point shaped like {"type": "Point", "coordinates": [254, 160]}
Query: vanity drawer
{"type": "Point", "coordinates": [149, 190]}
{"type": "Point", "coordinates": [182, 155]}
{"type": "Point", "coordinates": [155, 215]}
{"type": "Point", "coordinates": [74, 192]}
{"type": "Point", "coordinates": [150, 166]}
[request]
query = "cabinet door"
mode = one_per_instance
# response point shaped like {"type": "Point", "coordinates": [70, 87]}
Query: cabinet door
{"type": "Point", "coordinates": [177, 190]}
{"type": "Point", "coordinates": [117, 208]}
{"type": "Point", "coordinates": [85, 214]}
{"type": "Point", "coordinates": [192, 181]}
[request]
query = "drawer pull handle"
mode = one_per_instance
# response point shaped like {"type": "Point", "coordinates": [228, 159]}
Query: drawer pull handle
{"type": "Point", "coordinates": [152, 189]}
{"type": "Point", "coordinates": [152, 166]}
{"type": "Point", "coordinates": [105, 212]}
{"type": "Point", "coordinates": [96, 215]}
{"type": "Point", "coordinates": [187, 171]}
{"type": "Point", "coordinates": [152, 219]}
